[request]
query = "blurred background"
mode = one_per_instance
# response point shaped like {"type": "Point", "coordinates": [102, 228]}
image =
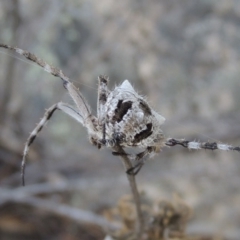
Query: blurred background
{"type": "Point", "coordinates": [183, 55]}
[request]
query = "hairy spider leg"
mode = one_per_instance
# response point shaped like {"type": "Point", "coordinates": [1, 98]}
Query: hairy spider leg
{"type": "Point", "coordinates": [103, 93]}
{"type": "Point", "coordinates": [47, 67]}
{"type": "Point", "coordinates": [139, 159]}
{"type": "Point", "coordinates": [200, 145]}
{"type": "Point", "coordinates": [69, 110]}
{"type": "Point", "coordinates": [73, 91]}
{"type": "Point", "coordinates": [87, 119]}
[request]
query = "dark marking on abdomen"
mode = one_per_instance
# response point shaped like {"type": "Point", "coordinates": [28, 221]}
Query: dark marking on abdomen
{"type": "Point", "coordinates": [146, 109]}
{"type": "Point", "coordinates": [143, 134]}
{"type": "Point", "coordinates": [121, 110]}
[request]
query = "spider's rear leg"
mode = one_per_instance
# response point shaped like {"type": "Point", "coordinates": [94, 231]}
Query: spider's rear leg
{"type": "Point", "coordinates": [48, 114]}
{"type": "Point", "coordinates": [139, 159]}
{"type": "Point", "coordinates": [138, 165]}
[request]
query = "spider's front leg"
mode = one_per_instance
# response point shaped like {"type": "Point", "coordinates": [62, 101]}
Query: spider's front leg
{"type": "Point", "coordinates": [103, 93]}
{"type": "Point", "coordinates": [69, 110]}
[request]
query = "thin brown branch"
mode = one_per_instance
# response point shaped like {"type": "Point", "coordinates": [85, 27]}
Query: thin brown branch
{"type": "Point", "coordinates": [76, 214]}
{"type": "Point", "coordinates": [132, 182]}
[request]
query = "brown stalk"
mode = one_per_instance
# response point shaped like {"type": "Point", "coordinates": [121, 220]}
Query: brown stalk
{"type": "Point", "coordinates": [133, 185]}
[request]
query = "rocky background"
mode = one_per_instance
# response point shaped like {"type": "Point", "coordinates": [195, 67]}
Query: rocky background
{"type": "Point", "coordinates": [183, 55]}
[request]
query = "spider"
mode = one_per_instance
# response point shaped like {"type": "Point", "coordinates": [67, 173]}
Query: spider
{"type": "Point", "coordinates": [123, 118]}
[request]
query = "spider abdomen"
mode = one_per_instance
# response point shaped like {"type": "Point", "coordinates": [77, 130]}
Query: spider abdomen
{"type": "Point", "coordinates": [129, 115]}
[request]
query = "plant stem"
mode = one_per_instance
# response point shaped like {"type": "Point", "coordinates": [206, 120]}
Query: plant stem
{"type": "Point", "coordinates": [132, 182]}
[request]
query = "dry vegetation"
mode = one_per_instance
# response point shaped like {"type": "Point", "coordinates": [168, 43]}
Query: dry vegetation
{"type": "Point", "coordinates": [184, 55]}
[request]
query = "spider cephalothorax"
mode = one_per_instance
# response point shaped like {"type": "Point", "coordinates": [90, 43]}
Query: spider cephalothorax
{"type": "Point", "coordinates": [124, 118]}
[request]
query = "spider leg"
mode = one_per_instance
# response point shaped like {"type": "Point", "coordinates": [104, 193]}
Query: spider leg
{"type": "Point", "coordinates": [46, 67]}
{"type": "Point", "coordinates": [141, 158]}
{"type": "Point", "coordinates": [103, 93]}
{"type": "Point", "coordinates": [84, 109]}
{"type": "Point", "coordinates": [89, 121]}
{"type": "Point", "coordinates": [69, 110]}
{"type": "Point", "coordinates": [137, 157]}
{"type": "Point", "coordinates": [200, 145]}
